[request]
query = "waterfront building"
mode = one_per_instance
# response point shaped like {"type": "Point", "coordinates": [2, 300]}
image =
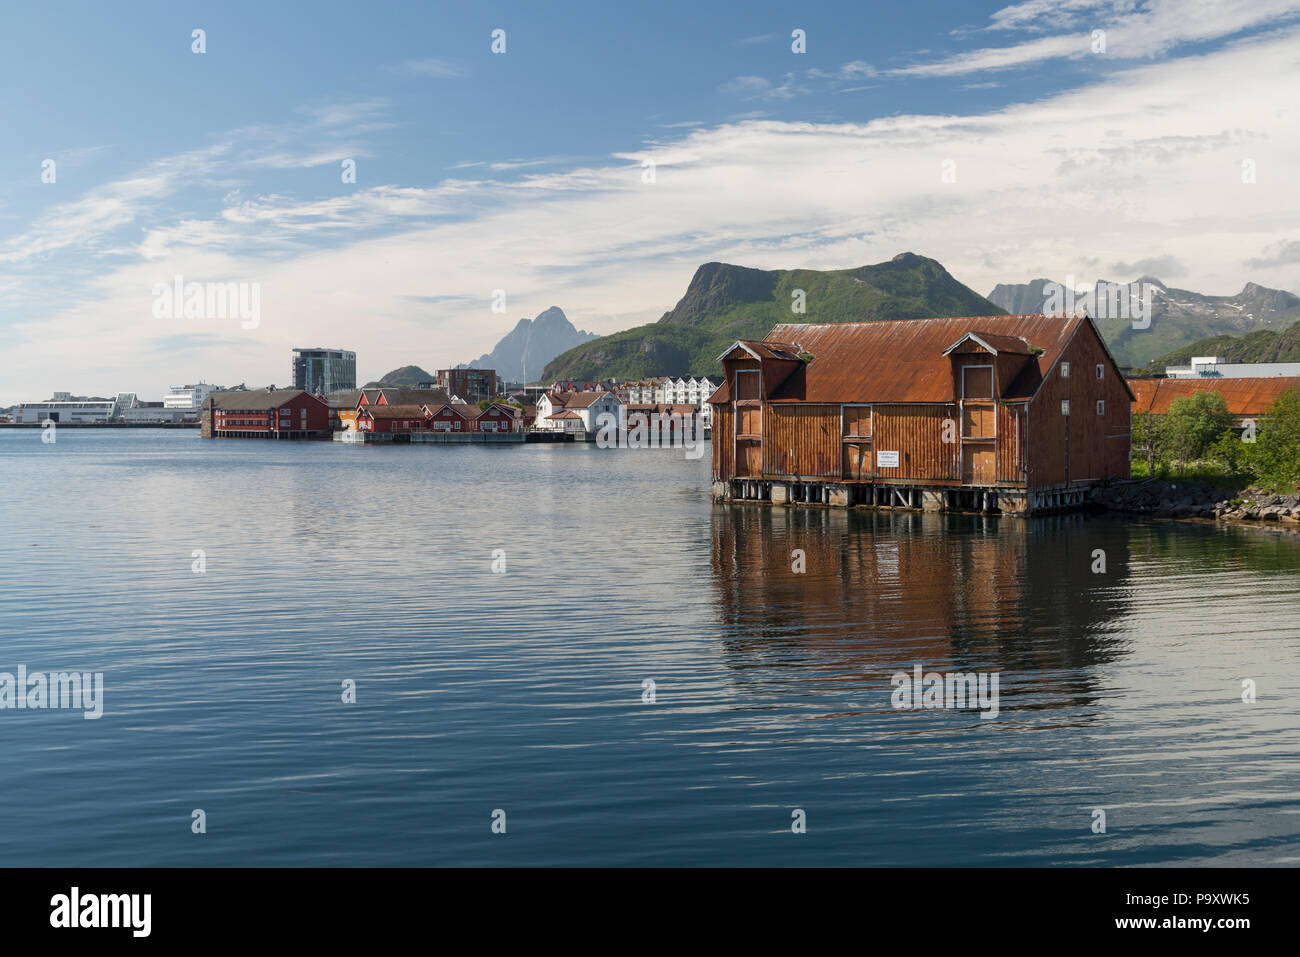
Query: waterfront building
{"type": "Point", "coordinates": [452, 417]}
{"type": "Point", "coordinates": [1012, 413]}
{"type": "Point", "coordinates": [319, 370]}
{"type": "Point", "coordinates": [497, 417]}
{"type": "Point", "coordinates": [66, 408]}
{"type": "Point", "coordinates": [265, 414]}
{"type": "Point", "coordinates": [584, 408]}
{"type": "Point", "coordinates": [138, 413]}
{"type": "Point", "coordinates": [391, 418]}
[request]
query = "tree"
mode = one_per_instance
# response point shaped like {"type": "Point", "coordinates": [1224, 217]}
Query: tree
{"type": "Point", "coordinates": [1149, 439]}
{"type": "Point", "coordinates": [1194, 423]}
{"type": "Point", "coordinates": [1274, 457]}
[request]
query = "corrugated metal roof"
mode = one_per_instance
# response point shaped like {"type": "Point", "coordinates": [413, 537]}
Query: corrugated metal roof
{"type": "Point", "coordinates": [768, 348]}
{"type": "Point", "coordinates": [253, 400]}
{"type": "Point", "coordinates": [1002, 345]}
{"type": "Point", "coordinates": [1243, 396]}
{"type": "Point", "coordinates": [903, 360]}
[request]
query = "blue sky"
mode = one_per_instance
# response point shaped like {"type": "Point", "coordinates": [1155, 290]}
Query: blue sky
{"type": "Point", "coordinates": [524, 171]}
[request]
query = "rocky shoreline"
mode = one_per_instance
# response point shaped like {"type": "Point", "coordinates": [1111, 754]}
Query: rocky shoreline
{"type": "Point", "coordinates": [1165, 499]}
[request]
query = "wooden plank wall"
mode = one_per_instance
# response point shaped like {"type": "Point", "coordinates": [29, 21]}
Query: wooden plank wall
{"type": "Point", "coordinates": [1099, 444]}
{"type": "Point", "coordinates": [802, 440]}
{"type": "Point", "coordinates": [916, 433]}
{"type": "Point", "coordinates": [1012, 423]}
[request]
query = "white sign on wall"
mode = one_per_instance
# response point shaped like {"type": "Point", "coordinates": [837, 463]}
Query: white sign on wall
{"type": "Point", "coordinates": [886, 460]}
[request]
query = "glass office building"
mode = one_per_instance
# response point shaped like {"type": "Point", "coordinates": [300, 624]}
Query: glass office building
{"type": "Point", "coordinates": [324, 370]}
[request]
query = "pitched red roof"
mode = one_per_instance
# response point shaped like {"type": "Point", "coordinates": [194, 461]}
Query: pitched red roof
{"type": "Point", "coordinates": [904, 360]}
{"type": "Point", "coordinates": [1244, 396]}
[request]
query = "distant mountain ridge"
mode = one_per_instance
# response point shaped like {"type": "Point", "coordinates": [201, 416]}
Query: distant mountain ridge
{"type": "Point", "coordinates": [725, 302]}
{"type": "Point", "coordinates": [525, 350]}
{"type": "Point", "coordinates": [1262, 345]}
{"type": "Point", "coordinates": [1179, 317]}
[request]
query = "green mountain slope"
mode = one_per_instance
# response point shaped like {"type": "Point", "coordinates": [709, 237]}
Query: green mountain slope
{"type": "Point", "coordinates": [1262, 345]}
{"type": "Point", "coordinates": [724, 303]}
{"type": "Point", "coordinates": [406, 376]}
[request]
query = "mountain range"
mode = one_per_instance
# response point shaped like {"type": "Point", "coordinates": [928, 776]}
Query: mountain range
{"type": "Point", "coordinates": [525, 350]}
{"type": "Point", "coordinates": [1179, 317]}
{"type": "Point", "coordinates": [724, 303]}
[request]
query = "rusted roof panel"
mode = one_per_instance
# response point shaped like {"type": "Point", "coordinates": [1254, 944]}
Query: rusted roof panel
{"type": "Point", "coordinates": [1001, 345]}
{"type": "Point", "coordinates": [768, 348]}
{"type": "Point", "coordinates": [903, 360]}
{"type": "Point", "coordinates": [1244, 396]}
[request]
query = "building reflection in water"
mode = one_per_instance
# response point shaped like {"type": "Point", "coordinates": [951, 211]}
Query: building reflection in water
{"type": "Point", "coordinates": [883, 591]}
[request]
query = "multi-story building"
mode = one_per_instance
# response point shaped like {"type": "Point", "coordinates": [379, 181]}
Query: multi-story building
{"type": "Point", "coordinates": [65, 407]}
{"type": "Point", "coordinates": [323, 371]}
{"type": "Point", "coordinates": [188, 396]}
{"type": "Point", "coordinates": [468, 385]}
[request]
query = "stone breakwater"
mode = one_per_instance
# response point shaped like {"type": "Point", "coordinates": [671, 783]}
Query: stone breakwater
{"type": "Point", "coordinates": [1161, 499]}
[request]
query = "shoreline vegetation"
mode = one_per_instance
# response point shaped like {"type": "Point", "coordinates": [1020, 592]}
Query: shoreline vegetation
{"type": "Point", "coordinates": [1198, 460]}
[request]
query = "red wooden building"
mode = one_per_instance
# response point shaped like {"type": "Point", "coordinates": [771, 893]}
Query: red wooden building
{"type": "Point", "coordinates": [392, 418]}
{"type": "Point", "coordinates": [1010, 413]}
{"type": "Point", "coordinates": [497, 418]}
{"type": "Point", "coordinates": [265, 414]}
{"type": "Point", "coordinates": [452, 417]}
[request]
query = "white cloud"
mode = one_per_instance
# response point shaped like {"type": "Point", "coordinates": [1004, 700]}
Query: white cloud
{"type": "Point", "coordinates": [430, 67]}
{"type": "Point", "coordinates": [1142, 166]}
{"type": "Point", "coordinates": [1132, 31]}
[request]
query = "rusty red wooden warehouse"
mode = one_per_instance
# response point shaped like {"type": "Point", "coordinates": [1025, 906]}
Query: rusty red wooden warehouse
{"type": "Point", "coordinates": [1017, 414]}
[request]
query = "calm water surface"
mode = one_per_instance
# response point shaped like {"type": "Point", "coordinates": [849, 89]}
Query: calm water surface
{"type": "Point", "coordinates": [522, 691]}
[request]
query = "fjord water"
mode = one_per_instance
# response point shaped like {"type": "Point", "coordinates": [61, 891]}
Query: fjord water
{"type": "Point", "coordinates": [522, 691]}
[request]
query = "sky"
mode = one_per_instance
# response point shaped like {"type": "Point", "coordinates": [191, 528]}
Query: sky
{"type": "Point", "coordinates": [597, 160]}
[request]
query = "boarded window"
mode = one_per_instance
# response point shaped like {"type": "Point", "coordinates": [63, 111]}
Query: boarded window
{"type": "Point", "coordinates": [857, 420]}
{"type": "Point", "coordinates": [751, 420]}
{"type": "Point", "coordinates": [977, 422]}
{"type": "Point", "coordinates": [747, 384]}
{"type": "Point", "coordinates": [977, 382]}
